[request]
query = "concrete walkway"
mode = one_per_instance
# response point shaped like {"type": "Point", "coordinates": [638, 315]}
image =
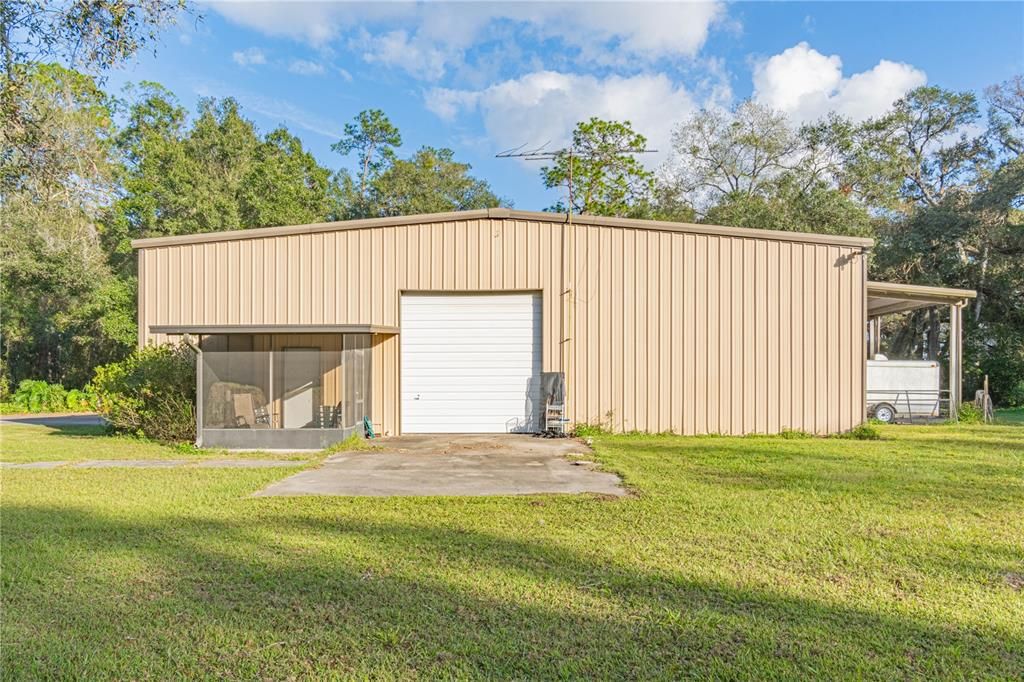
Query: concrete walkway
{"type": "Point", "coordinates": [161, 464]}
{"type": "Point", "coordinates": [457, 465]}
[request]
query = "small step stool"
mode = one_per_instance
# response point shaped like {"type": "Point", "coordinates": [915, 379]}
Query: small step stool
{"type": "Point", "coordinates": [554, 419]}
{"type": "Point", "coordinates": [553, 391]}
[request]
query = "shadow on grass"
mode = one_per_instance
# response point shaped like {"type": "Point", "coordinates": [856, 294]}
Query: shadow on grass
{"type": "Point", "coordinates": [972, 441]}
{"type": "Point", "coordinates": [968, 480]}
{"type": "Point", "coordinates": [62, 428]}
{"type": "Point", "coordinates": [288, 594]}
{"type": "Point", "coordinates": [81, 431]}
{"type": "Point", "coordinates": [55, 420]}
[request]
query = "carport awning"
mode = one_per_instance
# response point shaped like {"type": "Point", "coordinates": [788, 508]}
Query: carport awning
{"type": "Point", "coordinates": [885, 298]}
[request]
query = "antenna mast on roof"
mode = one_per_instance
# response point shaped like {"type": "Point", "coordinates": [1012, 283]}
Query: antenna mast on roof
{"type": "Point", "coordinates": [542, 153]}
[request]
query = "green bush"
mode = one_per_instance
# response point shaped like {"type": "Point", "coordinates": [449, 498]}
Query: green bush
{"type": "Point", "coordinates": [863, 431]}
{"type": "Point", "coordinates": [34, 395]}
{"type": "Point", "coordinates": [969, 414]}
{"type": "Point", "coordinates": [151, 393]}
{"type": "Point", "coordinates": [1015, 396]}
{"type": "Point", "coordinates": [78, 401]}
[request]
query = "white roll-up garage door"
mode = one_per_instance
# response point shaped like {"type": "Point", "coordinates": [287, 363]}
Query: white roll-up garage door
{"type": "Point", "coordinates": [470, 363]}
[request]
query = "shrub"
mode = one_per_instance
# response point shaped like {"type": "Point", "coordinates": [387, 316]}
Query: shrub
{"type": "Point", "coordinates": [150, 393]}
{"type": "Point", "coordinates": [77, 401]}
{"type": "Point", "coordinates": [863, 431]}
{"type": "Point", "coordinates": [1015, 396]}
{"type": "Point", "coordinates": [970, 414]}
{"type": "Point", "coordinates": [34, 395]}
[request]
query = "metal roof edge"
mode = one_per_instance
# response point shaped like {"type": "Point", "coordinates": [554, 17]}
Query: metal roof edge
{"type": "Point", "coordinates": [895, 290]}
{"type": "Point", "coordinates": [695, 228]}
{"type": "Point", "coordinates": [506, 214]}
{"type": "Point", "coordinates": [284, 230]}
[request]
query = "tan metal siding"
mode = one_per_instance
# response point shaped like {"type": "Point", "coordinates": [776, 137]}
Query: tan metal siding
{"type": "Point", "coordinates": [665, 330]}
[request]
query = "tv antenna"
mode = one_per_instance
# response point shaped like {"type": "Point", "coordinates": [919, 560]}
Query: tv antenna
{"type": "Point", "coordinates": [542, 153]}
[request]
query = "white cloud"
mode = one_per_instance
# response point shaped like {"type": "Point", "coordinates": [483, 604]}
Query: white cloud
{"type": "Point", "coordinates": [546, 105]}
{"type": "Point", "coordinates": [275, 109]}
{"type": "Point", "coordinates": [315, 22]}
{"type": "Point", "coordinates": [428, 39]}
{"type": "Point", "coordinates": [395, 48]}
{"type": "Point", "coordinates": [303, 67]}
{"type": "Point", "coordinates": [346, 76]}
{"type": "Point", "coordinates": [647, 30]}
{"type": "Point", "coordinates": [807, 85]}
{"type": "Point", "coordinates": [249, 57]}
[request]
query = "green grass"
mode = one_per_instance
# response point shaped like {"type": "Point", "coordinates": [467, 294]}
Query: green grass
{"type": "Point", "coordinates": [1012, 415]}
{"type": "Point", "coordinates": [32, 443]}
{"type": "Point", "coordinates": [76, 443]}
{"type": "Point", "coordinates": [353, 443]}
{"type": "Point", "coordinates": [737, 558]}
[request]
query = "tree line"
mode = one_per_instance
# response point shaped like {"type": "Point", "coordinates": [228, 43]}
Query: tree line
{"type": "Point", "coordinates": [937, 181]}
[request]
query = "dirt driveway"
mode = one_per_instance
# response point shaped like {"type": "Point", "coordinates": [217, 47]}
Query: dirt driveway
{"type": "Point", "coordinates": [457, 465]}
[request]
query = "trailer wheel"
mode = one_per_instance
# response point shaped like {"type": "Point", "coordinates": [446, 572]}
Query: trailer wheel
{"type": "Point", "coordinates": [885, 413]}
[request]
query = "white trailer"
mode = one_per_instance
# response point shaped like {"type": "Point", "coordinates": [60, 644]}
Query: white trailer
{"type": "Point", "coordinates": [903, 389]}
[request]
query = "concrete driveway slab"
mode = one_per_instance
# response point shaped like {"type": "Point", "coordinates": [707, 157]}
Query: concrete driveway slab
{"type": "Point", "coordinates": [453, 465]}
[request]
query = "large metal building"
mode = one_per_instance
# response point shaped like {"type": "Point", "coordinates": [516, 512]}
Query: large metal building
{"type": "Point", "coordinates": [444, 322]}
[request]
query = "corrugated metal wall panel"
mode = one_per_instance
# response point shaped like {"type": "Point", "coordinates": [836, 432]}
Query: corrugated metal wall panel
{"type": "Point", "coordinates": [667, 331]}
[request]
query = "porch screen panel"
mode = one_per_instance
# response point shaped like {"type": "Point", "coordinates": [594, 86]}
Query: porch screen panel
{"type": "Point", "coordinates": [317, 391]}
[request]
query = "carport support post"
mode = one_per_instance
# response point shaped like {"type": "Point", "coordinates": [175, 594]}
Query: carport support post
{"type": "Point", "coordinates": [955, 359]}
{"type": "Point", "coordinates": [874, 337]}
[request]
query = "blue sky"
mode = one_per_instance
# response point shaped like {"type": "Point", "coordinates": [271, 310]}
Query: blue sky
{"type": "Point", "coordinates": [482, 77]}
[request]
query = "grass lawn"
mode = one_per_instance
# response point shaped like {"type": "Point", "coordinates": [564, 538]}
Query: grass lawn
{"type": "Point", "coordinates": [1013, 415]}
{"type": "Point", "coordinates": [75, 443]}
{"type": "Point", "coordinates": [738, 558]}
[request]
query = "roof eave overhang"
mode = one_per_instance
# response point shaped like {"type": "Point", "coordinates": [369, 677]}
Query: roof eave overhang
{"type": "Point", "coordinates": [505, 214]}
{"type": "Point", "coordinates": [885, 298]}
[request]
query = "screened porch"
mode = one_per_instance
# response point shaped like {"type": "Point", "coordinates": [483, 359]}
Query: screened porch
{"type": "Point", "coordinates": [282, 391]}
